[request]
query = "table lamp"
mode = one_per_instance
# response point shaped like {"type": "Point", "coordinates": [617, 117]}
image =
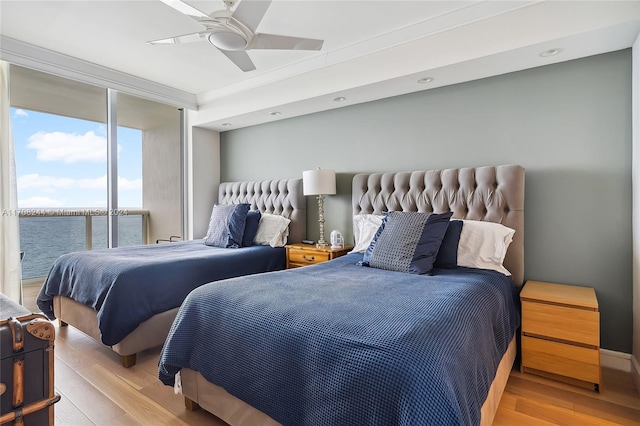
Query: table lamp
{"type": "Point", "coordinates": [319, 182]}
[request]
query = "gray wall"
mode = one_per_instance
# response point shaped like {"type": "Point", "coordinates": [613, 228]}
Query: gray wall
{"type": "Point", "coordinates": [568, 124]}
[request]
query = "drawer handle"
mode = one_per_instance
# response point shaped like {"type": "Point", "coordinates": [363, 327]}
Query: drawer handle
{"type": "Point", "coordinates": [310, 259]}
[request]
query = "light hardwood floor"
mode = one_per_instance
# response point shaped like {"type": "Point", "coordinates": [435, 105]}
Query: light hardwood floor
{"type": "Point", "coordinates": [97, 390]}
{"type": "Point", "coordinates": [533, 400]}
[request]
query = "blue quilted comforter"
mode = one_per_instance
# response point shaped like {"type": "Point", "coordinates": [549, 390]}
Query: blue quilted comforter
{"type": "Point", "coordinates": [128, 285]}
{"type": "Point", "coordinates": [341, 344]}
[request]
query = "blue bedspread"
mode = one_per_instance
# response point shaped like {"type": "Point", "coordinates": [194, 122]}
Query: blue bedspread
{"type": "Point", "coordinates": [128, 285]}
{"type": "Point", "coordinates": [340, 344]}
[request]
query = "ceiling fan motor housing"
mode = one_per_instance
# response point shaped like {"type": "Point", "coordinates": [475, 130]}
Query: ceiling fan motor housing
{"type": "Point", "coordinates": [230, 35]}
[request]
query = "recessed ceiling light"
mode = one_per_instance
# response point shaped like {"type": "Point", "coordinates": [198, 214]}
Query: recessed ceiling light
{"type": "Point", "coordinates": [226, 124]}
{"type": "Point", "coordinates": [425, 80]}
{"type": "Point", "coordinates": [339, 99]}
{"type": "Point", "coordinates": [550, 52]}
{"type": "Point", "coordinates": [275, 113]}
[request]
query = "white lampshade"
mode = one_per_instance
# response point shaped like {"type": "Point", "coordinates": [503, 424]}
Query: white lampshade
{"type": "Point", "coordinates": [319, 182]}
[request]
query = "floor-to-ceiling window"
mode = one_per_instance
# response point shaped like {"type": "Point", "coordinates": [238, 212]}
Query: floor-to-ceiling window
{"type": "Point", "coordinates": [60, 132]}
{"type": "Point", "coordinates": [60, 167]}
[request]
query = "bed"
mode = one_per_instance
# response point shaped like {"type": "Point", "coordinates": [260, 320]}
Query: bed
{"type": "Point", "coordinates": [94, 290]}
{"type": "Point", "coordinates": [357, 345]}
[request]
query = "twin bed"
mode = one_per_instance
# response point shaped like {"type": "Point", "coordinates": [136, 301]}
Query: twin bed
{"type": "Point", "coordinates": [337, 342]}
{"type": "Point", "coordinates": [127, 298]}
{"type": "Point", "coordinates": [342, 343]}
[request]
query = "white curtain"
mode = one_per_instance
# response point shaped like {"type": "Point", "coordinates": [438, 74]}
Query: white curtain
{"type": "Point", "coordinates": [10, 272]}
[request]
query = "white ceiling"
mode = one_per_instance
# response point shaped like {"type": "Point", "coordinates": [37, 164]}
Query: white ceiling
{"type": "Point", "coordinates": [373, 48]}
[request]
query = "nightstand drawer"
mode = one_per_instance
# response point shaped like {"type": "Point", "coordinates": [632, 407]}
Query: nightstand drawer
{"type": "Point", "coordinates": [302, 257]}
{"type": "Point", "coordinates": [561, 322]}
{"type": "Point", "coordinates": [558, 358]}
{"type": "Point", "coordinates": [304, 254]}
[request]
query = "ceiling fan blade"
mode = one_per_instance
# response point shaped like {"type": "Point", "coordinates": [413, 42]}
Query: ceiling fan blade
{"type": "Point", "coordinates": [240, 58]}
{"type": "Point", "coordinates": [186, 9]}
{"type": "Point", "coordinates": [273, 41]}
{"type": "Point", "coordinates": [251, 12]}
{"type": "Point", "coordinates": [187, 38]}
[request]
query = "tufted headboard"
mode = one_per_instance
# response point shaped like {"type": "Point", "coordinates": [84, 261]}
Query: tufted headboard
{"type": "Point", "coordinates": [278, 196]}
{"type": "Point", "coordinates": [494, 194]}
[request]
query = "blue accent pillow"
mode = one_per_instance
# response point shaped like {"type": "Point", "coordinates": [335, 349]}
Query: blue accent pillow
{"type": "Point", "coordinates": [407, 242]}
{"type": "Point", "coordinates": [448, 254]}
{"type": "Point", "coordinates": [226, 226]}
{"type": "Point", "coordinates": [251, 227]}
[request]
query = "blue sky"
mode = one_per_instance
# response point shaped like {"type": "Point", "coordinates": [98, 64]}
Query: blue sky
{"type": "Point", "coordinates": [61, 162]}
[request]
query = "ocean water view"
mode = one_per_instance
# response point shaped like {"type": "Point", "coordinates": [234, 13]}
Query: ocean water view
{"type": "Point", "coordinates": [44, 239]}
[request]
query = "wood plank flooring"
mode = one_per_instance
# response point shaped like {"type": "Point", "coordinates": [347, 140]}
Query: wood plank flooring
{"type": "Point", "coordinates": [533, 400]}
{"type": "Point", "coordinates": [97, 390]}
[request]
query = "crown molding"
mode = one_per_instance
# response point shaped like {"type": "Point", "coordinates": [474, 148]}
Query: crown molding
{"type": "Point", "coordinates": [45, 60]}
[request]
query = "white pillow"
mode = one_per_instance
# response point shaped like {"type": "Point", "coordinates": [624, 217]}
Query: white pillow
{"type": "Point", "coordinates": [484, 245]}
{"type": "Point", "coordinates": [364, 229]}
{"type": "Point", "coordinates": [272, 230]}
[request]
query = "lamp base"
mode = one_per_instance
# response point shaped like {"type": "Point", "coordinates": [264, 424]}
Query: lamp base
{"type": "Point", "coordinates": [321, 241]}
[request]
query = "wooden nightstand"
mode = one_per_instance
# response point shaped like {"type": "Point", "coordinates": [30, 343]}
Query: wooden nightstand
{"type": "Point", "coordinates": [308, 254]}
{"type": "Point", "coordinates": [561, 333]}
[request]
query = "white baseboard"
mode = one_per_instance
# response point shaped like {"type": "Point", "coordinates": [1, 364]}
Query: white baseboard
{"type": "Point", "coordinates": [616, 360]}
{"type": "Point", "coordinates": [635, 371]}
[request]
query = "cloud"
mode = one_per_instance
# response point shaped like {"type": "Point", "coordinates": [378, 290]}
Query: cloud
{"type": "Point", "coordinates": [46, 183]}
{"type": "Point", "coordinates": [69, 147]}
{"type": "Point", "coordinates": [129, 185]}
{"type": "Point", "coordinates": [94, 183]}
{"type": "Point", "coordinates": [52, 184]}
{"type": "Point", "coordinates": [20, 113]}
{"type": "Point", "coordinates": [39, 202]}
{"type": "Point", "coordinates": [101, 183]}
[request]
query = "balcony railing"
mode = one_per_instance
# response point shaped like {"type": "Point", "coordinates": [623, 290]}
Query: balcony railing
{"type": "Point", "coordinates": [46, 234]}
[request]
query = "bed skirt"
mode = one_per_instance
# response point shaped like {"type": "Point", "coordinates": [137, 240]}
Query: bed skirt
{"type": "Point", "coordinates": [149, 334]}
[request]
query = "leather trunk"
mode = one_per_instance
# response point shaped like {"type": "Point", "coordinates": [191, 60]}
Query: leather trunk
{"type": "Point", "coordinates": [27, 391]}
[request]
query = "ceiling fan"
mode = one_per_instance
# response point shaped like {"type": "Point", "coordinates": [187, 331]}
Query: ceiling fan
{"type": "Point", "coordinates": [234, 32]}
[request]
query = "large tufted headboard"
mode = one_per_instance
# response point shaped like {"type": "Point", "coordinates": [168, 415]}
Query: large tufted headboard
{"type": "Point", "coordinates": [494, 194]}
{"type": "Point", "coordinates": [283, 197]}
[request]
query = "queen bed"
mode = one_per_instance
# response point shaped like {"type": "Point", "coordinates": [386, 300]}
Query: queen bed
{"type": "Point", "coordinates": [128, 297]}
{"type": "Point", "coordinates": [343, 343]}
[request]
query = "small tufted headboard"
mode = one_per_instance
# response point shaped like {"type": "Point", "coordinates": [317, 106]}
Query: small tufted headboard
{"type": "Point", "coordinates": [278, 196]}
{"type": "Point", "coordinates": [494, 194]}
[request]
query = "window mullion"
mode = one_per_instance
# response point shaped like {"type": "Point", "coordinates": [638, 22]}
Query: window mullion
{"type": "Point", "coordinates": [112, 168]}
